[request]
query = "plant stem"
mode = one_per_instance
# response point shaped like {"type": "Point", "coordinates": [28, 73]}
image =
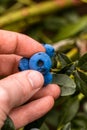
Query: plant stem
{"type": "Point", "coordinates": [39, 9]}
{"type": "Point", "coordinates": [45, 38]}
{"type": "Point", "coordinates": [60, 128]}
{"type": "Point", "coordinates": [64, 44]}
{"type": "Point", "coordinates": [21, 25]}
{"type": "Point", "coordinates": [80, 96]}
{"type": "Point", "coordinates": [72, 53]}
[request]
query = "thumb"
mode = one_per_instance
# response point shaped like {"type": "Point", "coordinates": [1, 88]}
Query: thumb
{"type": "Point", "coordinates": [18, 88]}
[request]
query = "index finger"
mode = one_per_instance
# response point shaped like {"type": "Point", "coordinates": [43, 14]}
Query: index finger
{"type": "Point", "coordinates": [20, 44]}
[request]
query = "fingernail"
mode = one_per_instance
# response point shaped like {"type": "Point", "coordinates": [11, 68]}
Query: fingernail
{"type": "Point", "coordinates": [36, 79]}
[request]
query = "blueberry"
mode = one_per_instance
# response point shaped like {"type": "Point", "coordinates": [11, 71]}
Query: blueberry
{"type": "Point", "coordinates": [40, 62]}
{"type": "Point", "coordinates": [47, 78]}
{"type": "Point", "coordinates": [23, 64]}
{"type": "Point", "coordinates": [49, 49]}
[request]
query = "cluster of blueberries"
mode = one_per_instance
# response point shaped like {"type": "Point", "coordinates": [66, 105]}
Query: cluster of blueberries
{"type": "Point", "coordinates": [41, 62]}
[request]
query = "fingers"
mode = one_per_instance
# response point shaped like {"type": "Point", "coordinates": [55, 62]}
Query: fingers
{"type": "Point", "coordinates": [18, 88]}
{"type": "Point", "coordinates": [32, 111]}
{"type": "Point", "coordinates": [51, 90]}
{"type": "Point", "coordinates": [15, 43]}
{"type": "Point", "coordinates": [9, 64]}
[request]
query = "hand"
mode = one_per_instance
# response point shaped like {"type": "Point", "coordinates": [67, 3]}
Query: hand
{"type": "Point", "coordinates": [20, 87]}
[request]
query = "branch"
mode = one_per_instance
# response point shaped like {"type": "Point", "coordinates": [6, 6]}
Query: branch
{"type": "Point", "coordinates": [35, 10]}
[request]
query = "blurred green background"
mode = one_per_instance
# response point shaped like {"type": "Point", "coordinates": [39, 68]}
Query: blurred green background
{"type": "Point", "coordinates": [44, 20]}
{"type": "Point", "coordinates": [62, 23]}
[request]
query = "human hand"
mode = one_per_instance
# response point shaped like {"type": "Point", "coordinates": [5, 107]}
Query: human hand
{"type": "Point", "coordinates": [17, 87]}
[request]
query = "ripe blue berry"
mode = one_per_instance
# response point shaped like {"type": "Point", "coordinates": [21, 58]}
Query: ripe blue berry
{"type": "Point", "coordinates": [40, 62]}
{"type": "Point", "coordinates": [47, 78]}
{"type": "Point", "coordinates": [49, 49]}
{"type": "Point", "coordinates": [23, 64]}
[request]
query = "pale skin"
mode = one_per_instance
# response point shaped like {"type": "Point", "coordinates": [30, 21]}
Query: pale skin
{"type": "Point", "coordinates": [20, 87]}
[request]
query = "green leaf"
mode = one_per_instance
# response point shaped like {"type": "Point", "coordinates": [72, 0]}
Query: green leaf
{"type": "Point", "coordinates": [71, 16]}
{"type": "Point", "coordinates": [82, 60]}
{"type": "Point", "coordinates": [72, 29]}
{"type": "Point", "coordinates": [68, 111]}
{"type": "Point", "coordinates": [63, 59]}
{"type": "Point", "coordinates": [68, 86]}
{"type": "Point", "coordinates": [8, 124]}
{"type": "Point", "coordinates": [52, 118]}
{"type": "Point", "coordinates": [80, 83]}
{"type": "Point", "coordinates": [36, 124]}
{"type": "Point", "coordinates": [80, 121]}
{"type": "Point", "coordinates": [82, 64]}
{"type": "Point", "coordinates": [54, 23]}
{"type": "Point", "coordinates": [44, 127]}
{"type": "Point", "coordinates": [68, 69]}
{"type": "Point", "coordinates": [83, 76]}
{"type": "Point", "coordinates": [67, 126]}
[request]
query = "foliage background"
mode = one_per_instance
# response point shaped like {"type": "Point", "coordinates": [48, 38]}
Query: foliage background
{"type": "Point", "coordinates": [62, 23]}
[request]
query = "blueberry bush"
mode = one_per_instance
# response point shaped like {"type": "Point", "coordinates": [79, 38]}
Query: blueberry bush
{"type": "Point", "coordinates": [61, 24]}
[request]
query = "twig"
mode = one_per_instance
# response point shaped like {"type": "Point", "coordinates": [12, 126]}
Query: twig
{"type": "Point", "coordinates": [57, 46]}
